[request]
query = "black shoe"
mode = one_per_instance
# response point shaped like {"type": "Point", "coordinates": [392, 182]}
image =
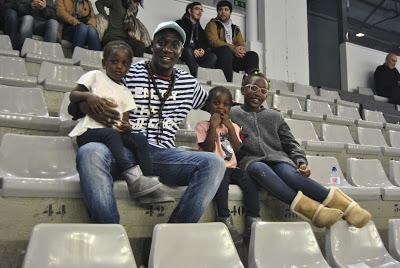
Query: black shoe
{"type": "Point", "coordinates": [236, 237]}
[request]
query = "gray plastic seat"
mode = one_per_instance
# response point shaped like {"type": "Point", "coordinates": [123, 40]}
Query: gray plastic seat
{"type": "Point", "coordinates": [347, 246]}
{"type": "Point", "coordinates": [347, 111]}
{"type": "Point", "coordinates": [66, 122]}
{"type": "Point", "coordinates": [324, 109]}
{"type": "Point", "coordinates": [374, 116]}
{"type": "Point", "coordinates": [87, 59]}
{"type": "Point", "coordinates": [374, 137]}
{"type": "Point", "coordinates": [304, 89]}
{"type": "Point", "coordinates": [321, 167]}
{"type": "Point", "coordinates": [39, 51]}
{"type": "Point", "coordinates": [38, 166]}
{"type": "Point", "coordinates": [193, 117]}
{"type": "Point", "coordinates": [394, 138]}
{"type": "Point", "coordinates": [329, 95]}
{"type": "Point", "coordinates": [370, 173]}
{"type": "Point", "coordinates": [280, 85]}
{"type": "Point", "coordinates": [194, 245]}
{"type": "Point", "coordinates": [365, 91]}
{"type": "Point", "coordinates": [6, 47]}
{"type": "Point", "coordinates": [59, 77]}
{"type": "Point", "coordinates": [380, 98]}
{"type": "Point", "coordinates": [22, 107]}
{"type": "Point", "coordinates": [13, 72]}
{"type": "Point", "coordinates": [285, 103]}
{"type": "Point", "coordinates": [394, 172]}
{"type": "Point", "coordinates": [79, 245]}
{"type": "Point", "coordinates": [211, 75]}
{"type": "Point", "coordinates": [394, 238]}
{"type": "Point", "coordinates": [284, 244]}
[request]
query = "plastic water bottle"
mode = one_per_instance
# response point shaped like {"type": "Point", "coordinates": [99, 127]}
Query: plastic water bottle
{"type": "Point", "coordinates": [334, 178]}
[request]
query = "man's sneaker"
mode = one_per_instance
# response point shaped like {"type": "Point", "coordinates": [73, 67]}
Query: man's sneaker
{"type": "Point", "coordinates": [236, 237]}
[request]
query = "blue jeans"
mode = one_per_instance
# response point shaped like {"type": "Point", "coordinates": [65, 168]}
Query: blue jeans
{"type": "Point", "coordinates": [82, 35]}
{"type": "Point", "coordinates": [283, 181]}
{"type": "Point", "coordinates": [46, 28]}
{"type": "Point", "coordinates": [9, 19]}
{"type": "Point", "coordinates": [202, 172]}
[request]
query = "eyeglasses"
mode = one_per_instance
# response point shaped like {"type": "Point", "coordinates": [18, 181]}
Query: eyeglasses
{"type": "Point", "coordinates": [198, 8]}
{"type": "Point", "coordinates": [256, 88]}
{"type": "Point", "coordinates": [174, 45]}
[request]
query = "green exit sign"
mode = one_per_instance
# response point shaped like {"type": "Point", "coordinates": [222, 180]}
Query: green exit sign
{"type": "Point", "coordinates": [240, 3]}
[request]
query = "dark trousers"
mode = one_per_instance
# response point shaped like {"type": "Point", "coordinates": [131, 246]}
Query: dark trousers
{"type": "Point", "coordinates": [283, 181]}
{"type": "Point", "coordinates": [82, 35]}
{"type": "Point", "coordinates": [9, 22]}
{"type": "Point", "coordinates": [394, 97]}
{"type": "Point", "coordinates": [228, 62]}
{"type": "Point", "coordinates": [249, 189]}
{"type": "Point", "coordinates": [208, 60]}
{"type": "Point", "coordinates": [115, 141]}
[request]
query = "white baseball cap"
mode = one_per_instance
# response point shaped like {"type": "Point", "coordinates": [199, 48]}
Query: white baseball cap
{"type": "Point", "coordinates": [171, 25]}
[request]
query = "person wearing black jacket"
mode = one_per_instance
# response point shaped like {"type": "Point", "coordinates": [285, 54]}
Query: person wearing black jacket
{"type": "Point", "coordinates": [196, 48]}
{"type": "Point", "coordinates": [387, 79]}
{"type": "Point", "coordinates": [9, 20]}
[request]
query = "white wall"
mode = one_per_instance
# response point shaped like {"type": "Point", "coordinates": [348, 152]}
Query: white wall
{"type": "Point", "coordinates": [357, 64]}
{"type": "Point", "coordinates": [285, 39]}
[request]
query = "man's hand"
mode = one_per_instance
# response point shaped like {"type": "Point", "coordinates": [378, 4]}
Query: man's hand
{"type": "Point", "coordinates": [38, 4]}
{"type": "Point", "coordinates": [240, 51]}
{"type": "Point", "coordinates": [215, 120]}
{"type": "Point", "coordinates": [107, 115]}
{"type": "Point", "coordinates": [131, 34]}
{"type": "Point", "coordinates": [123, 126]}
{"type": "Point", "coordinates": [304, 170]}
{"type": "Point", "coordinates": [198, 53]}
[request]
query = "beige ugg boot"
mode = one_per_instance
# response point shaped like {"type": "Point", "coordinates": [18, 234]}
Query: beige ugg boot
{"type": "Point", "coordinates": [352, 212]}
{"type": "Point", "coordinates": [309, 209]}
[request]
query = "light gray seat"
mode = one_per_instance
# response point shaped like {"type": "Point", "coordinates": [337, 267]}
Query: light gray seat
{"type": "Point", "coordinates": [365, 91]}
{"type": "Point", "coordinates": [66, 122]}
{"type": "Point", "coordinates": [329, 95]}
{"type": "Point", "coordinates": [6, 47]}
{"type": "Point", "coordinates": [87, 59]}
{"type": "Point", "coordinates": [79, 245]}
{"type": "Point", "coordinates": [394, 238]}
{"type": "Point", "coordinates": [347, 246]}
{"type": "Point", "coordinates": [194, 117]}
{"type": "Point", "coordinates": [321, 167]}
{"type": "Point", "coordinates": [352, 112]}
{"type": "Point", "coordinates": [284, 244]}
{"type": "Point", "coordinates": [370, 173]}
{"type": "Point", "coordinates": [374, 137]}
{"type": "Point", "coordinates": [374, 116]}
{"type": "Point", "coordinates": [394, 172]}
{"type": "Point", "coordinates": [285, 103]}
{"type": "Point", "coordinates": [211, 75]}
{"type": "Point", "coordinates": [304, 89]}
{"type": "Point", "coordinates": [38, 166]}
{"type": "Point", "coordinates": [394, 138]}
{"type": "Point", "coordinates": [380, 98]}
{"type": "Point", "coordinates": [13, 72]}
{"type": "Point", "coordinates": [59, 77]}
{"type": "Point", "coordinates": [280, 85]}
{"type": "Point", "coordinates": [194, 245]}
{"type": "Point", "coordinates": [39, 51]}
{"type": "Point", "coordinates": [324, 109]}
{"type": "Point", "coordinates": [22, 107]}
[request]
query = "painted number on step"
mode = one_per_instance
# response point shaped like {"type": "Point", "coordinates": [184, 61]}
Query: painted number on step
{"type": "Point", "coordinates": [53, 209]}
{"type": "Point", "coordinates": [158, 211]}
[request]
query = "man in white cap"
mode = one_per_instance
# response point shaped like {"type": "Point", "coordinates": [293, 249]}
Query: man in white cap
{"type": "Point", "coordinates": [164, 96]}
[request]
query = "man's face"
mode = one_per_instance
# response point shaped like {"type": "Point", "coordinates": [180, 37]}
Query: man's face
{"type": "Point", "coordinates": [224, 13]}
{"type": "Point", "coordinates": [391, 61]}
{"type": "Point", "coordinates": [196, 12]}
{"type": "Point", "coordinates": [167, 48]}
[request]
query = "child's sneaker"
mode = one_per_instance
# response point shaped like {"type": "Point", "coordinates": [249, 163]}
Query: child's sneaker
{"type": "Point", "coordinates": [236, 237]}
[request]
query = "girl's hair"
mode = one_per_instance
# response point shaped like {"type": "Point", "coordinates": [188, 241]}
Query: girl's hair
{"type": "Point", "coordinates": [214, 92]}
{"type": "Point", "coordinates": [254, 73]}
{"type": "Point", "coordinates": [112, 46]}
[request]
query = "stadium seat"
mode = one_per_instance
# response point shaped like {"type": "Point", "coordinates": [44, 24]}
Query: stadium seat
{"type": "Point", "coordinates": [59, 77]}
{"type": "Point", "coordinates": [13, 72]}
{"type": "Point", "coordinates": [211, 75]}
{"type": "Point", "coordinates": [374, 116]}
{"type": "Point", "coordinates": [304, 89]}
{"type": "Point", "coordinates": [328, 95]}
{"type": "Point", "coordinates": [285, 103]}
{"type": "Point", "coordinates": [394, 238]}
{"type": "Point", "coordinates": [194, 117]}
{"type": "Point", "coordinates": [348, 246]}
{"type": "Point", "coordinates": [87, 59]}
{"type": "Point", "coordinates": [38, 51]}
{"type": "Point", "coordinates": [22, 107]}
{"type": "Point", "coordinates": [321, 167]}
{"type": "Point", "coordinates": [6, 47]}
{"type": "Point", "coordinates": [380, 98]}
{"type": "Point", "coordinates": [374, 137]}
{"type": "Point", "coordinates": [280, 85]}
{"type": "Point", "coordinates": [284, 244]}
{"type": "Point", "coordinates": [364, 91]}
{"type": "Point", "coordinates": [394, 138]}
{"type": "Point", "coordinates": [347, 111]}
{"type": "Point", "coordinates": [195, 245]}
{"type": "Point", "coordinates": [66, 122]}
{"type": "Point", "coordinates": [370, 173]}
{"type": "Point", "coordinates": [324, 109]}
{"type": "Point", "coordinates": [79, 245]}
{"type": "Point", "coordinates": [394, 172]}
{"type": "Point", "coordinates": [38, 166]}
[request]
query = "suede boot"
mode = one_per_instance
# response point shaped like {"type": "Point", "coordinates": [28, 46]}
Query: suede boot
{"type": "Point", "coordinates": [139, 185]}
{"type": "Point", "coordinates": [236, 237]}
{"type": "Point", "coordinates": [312, 210]}
{"type": "Point", "coordinates": [352, 212]}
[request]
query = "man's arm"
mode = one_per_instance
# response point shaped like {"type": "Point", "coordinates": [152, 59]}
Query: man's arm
{"type": "Point", "coordinates": [49, 11]}
{"type": "Point", "coordinates": [212, 36]}
{"type": "Point", "coordinates": [101, 4]}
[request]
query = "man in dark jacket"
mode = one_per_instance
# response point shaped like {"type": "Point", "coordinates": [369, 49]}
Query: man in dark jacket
{"type": "Point", "coordinates": [38, 17]}
{"type": "Point", "coordinates": [196, 47]}
{"type": "Point", "coordinates": [9, 19]}
{"type": "Point", "coordinates": [387, 79]}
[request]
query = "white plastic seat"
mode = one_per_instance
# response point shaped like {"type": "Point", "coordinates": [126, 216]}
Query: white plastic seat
{"type": "Point", "coordinates": [324, 109]}
{"type": "Point", "coordinates": [285, 103]}
{"type": "Point", "coordinates": [394, 172]}
{"type": "Point", "coordinates": [193, 117]}
{"type": "Point", "coordinates": [6, 47]}
{"type": "Point", "coordinates": [79, 245]}
{"type": "Point", "coordinates": [347, 246]}
{"type": "Point", "coordinates": [304, 89]}
{"type": "Point", "coordinates": [284, 244]}
{"type": "Point", "coordinates": [59, 77]}
{"type": "Point", "coordinates": [211, 75]}
{"type": "Point", "coordinates": [329, 95]}
{"type": "Point", "coordinates": [374, 116]}
{"type": "Point", "coordinates": [13, 72]}
{"type": "Point", "coordinates": [38, 166]}
{"type": "Point", "coordinates": [347, 111]}
{"type": "Point", "coordinates": [394, 238]}
{"type": "Point", "coordinates": [39, 51]}
{"type": "Point", "coordinates": [87, 59]}
{"type": "Point", "coordinates": [280, 85]}
{"type": "Point", "coordinates": [370, 173]}
{"type": "Point", "coordinates": [394, 138]}
{"type": "Point", "coordinates": [22, 107]}
{"type": "Point", "coordinates": [195, 245]}
{"type": "Point", "coordinates": [374, 137]}
{"type": "Point", "coordinates": [321, 167]}
{"type": "Point", "coordinates": [365, 91]}
{"type": "Point", "coordinates": [66, 122]}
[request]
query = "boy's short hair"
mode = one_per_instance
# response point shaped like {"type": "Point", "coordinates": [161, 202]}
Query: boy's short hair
{"type": "Point", "coordinates": [212, 94]}
{"type": "Point", "coordinates": [190, 6]}
{"type": "Point", "coordinates": [117, 44]}
{"type": "Point", "coordinates": [224, 3]}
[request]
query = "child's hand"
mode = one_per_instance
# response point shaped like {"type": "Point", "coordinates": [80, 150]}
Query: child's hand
{"type": "Point", "coordinates": [123, 126]}
{"type": "Point", "coordinates": [226, 120]}
{"type": "Point", "coordinates": [304, 170]}
{"type": "Point", "coordinates": [215, 120]}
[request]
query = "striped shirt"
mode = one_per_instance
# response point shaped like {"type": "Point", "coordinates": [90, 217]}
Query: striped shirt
{"type": "Point", "coordinates": [187, 94]}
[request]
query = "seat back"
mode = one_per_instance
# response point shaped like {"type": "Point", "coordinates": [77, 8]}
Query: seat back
{"type": "Point", "coordinates": [321, 167]}
{"type": "Point", "coordinates": [271, 245]}
{"type": "Point", "coordinates": [47, 49]}
{"type": "Point", "coordinates": [214, 75]}
{"type": "Point", "coordinates": [279, 85]}
{"type": "Point", "coordinates": [394, 138]}
{"type": "Point", "coordinates": [365, 91]}
{"type": "Point", "coordinates": [79, 245]}
{"type": "Point", "coordinates": [5, 42]}
{"type": "Point", "coordinates": [394, 238]}
{"type": "Point", "coordinates": [12, 67]}
{"type": "Point", "coordinates": [366, 172]}
{"type": "Point", "coordinates": [302, 130]}
{"type": "Point", "coordinates": [59, 73]}
{"type": "Point", "coordinates": [318, 107]}
{"type": "Point", "coordinates": [193, 245]}
{"type": "Point", "coordinates": [347, 111]}
{"type": "Point", "coordinates": [284, 103]}
{"type": "Point", "coordinates": [370, 136]}
{"type": "Point", "coordinates": [195, 116]}
{"type": "Point", "coordinates": [87, 57]}
{"type": "Point", "coordinates": [330, 95]}
{"type": "Point", "coordinates": [374, 116]}
{"type": "Point", "coordinates": [394, 172]}
{"type": "Point", "coordinates": [303, 89]}
{"type": "Point", "coordinates": [336, 133]}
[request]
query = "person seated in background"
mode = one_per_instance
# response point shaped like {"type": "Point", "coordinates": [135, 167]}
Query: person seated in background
{"type": "Point", "coordinates": [123, 24]}
{"type": "Point", "coordinates": [196, 50]}
{"type": "Point", "coordinates": [228, 43]}
{"type": "Point", "coordinates": [9, 20]}
{"type": "Point", "coordinates": [387, 79]}
{"type": "Point", "coordinates": [78, 23]}
{"type": "Point", "coordinates": [38, 17]}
